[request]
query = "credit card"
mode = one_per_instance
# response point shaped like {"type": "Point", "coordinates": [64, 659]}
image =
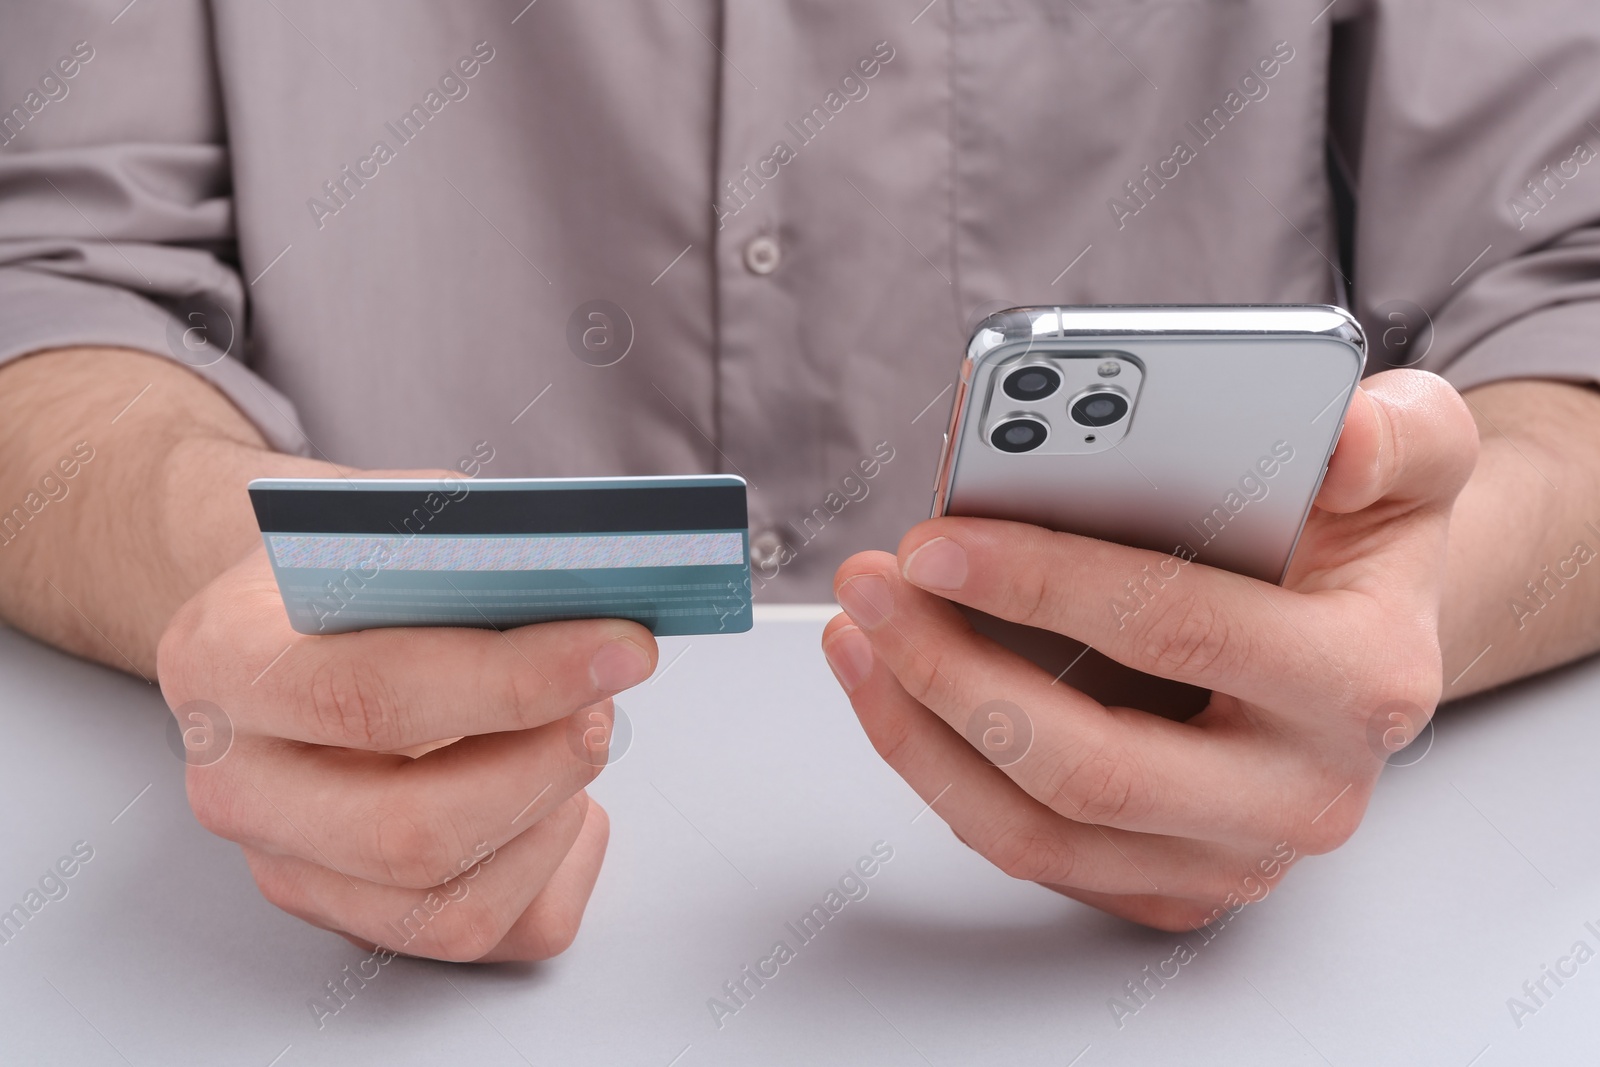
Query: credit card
{"type": "Point", "coordinates": [671, 553]}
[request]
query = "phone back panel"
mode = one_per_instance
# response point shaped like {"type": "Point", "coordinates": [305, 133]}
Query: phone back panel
{"type": "Point", "coordinates": [1229, 431]}
{"type": "Point", "coordinates": [1232, 421]}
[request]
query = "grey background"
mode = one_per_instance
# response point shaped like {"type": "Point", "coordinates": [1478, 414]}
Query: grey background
{"type": "Point", "coordinates": [747, 791]}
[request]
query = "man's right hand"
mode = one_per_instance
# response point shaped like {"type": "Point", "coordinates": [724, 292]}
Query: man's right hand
{"type": "Point", "coordinates": [485, 846]}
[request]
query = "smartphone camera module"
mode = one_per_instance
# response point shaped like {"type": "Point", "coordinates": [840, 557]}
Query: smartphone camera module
{"type": "Point", "coordinates": [1032, 383]}
{"type": "Point", "coordinates": [1101, 407]}
{"type": "Point", "coordinates": [1020, 434]}
{"type": "Point", "coordinates": [1047, 400]}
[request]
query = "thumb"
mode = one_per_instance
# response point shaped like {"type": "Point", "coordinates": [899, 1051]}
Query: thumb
{"type": "Point", "coordinates": [1408, 438]}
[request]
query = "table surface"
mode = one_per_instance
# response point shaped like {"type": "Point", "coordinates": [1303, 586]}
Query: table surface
{"type": "Point", "coordinates": [746, 792]}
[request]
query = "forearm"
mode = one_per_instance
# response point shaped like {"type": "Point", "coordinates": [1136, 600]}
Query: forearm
{"type": "Point", "coordinates": [97, 563]}
{"type": "Point", "coordinates": [1523, 588]}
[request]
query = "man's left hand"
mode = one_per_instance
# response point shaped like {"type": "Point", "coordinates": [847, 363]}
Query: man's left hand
{"type": "Point", "coordinates": [1158, 821]}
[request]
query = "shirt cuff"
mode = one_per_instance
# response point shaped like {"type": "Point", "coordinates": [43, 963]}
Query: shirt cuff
{"type": "Point", "coordinates": [1561, 342]}
{"type": "Point", "coordinates": [41, 310]}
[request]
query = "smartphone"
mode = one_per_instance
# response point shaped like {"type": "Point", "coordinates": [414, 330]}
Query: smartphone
{"type": "Point", "coordinates": [1199, 432]}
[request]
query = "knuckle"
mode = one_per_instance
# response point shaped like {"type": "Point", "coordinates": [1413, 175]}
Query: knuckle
{"type": "Point", "coordinates": [591, 735]}
{"type": "Point", "coordinates": [1028, 853]}
{"type": "Point", "coordinates": [1403, 648]}
{"type": "Point", "coordinates": [565, 822]}
{"type": "Point", "coordinates": [1330, 811]}
{"type": "Point", "coordinates": [1182, 916]}
{"type": "Point", "coordinates": [1212, 878]}
{"type": "Point", "coordinates": [892, 736]}
{"type": "Point", "coordinates": [412, 849]}
{"type": "Point", "coordinates": [215, 802]}
{"type": "Point", "coordinates": [1031, 596]}
{"type": "Point", "coordinates": [588, 770]}
{"type": "Point", "coordinates": [1417, 683]}
{"type": "Point", "coordinates": [466, 930]}
{"type": "Point", "coordinates": [282, 888]}
{"type": "Point", "coordinates": [278, 887]}
{"type": "Point", "coordinates": [1391, 718]}
{"type": "Point", "coordinates": [1402, 681]}
{"type": "Point", "coordinates": [1190, 638]}
{"type": "Point", "coordinates": [550, 926]}
{"type": "Point", "coordinates": [523, 693]}
{"type": "Point", "coordinates": [348, 702]}
{"type": "Point", "coordinates": [923, 675]}
{"type": "Point", "coordinates": [282, 884]}
{"type": "Point", "coordinates": [1331, 830]}
{"type": "Point", "coordinates": [1095, 787]}
{"type": "Point", "coordinates": [596, 815]}
{"type": "Point", "coordinates": [552, 933]}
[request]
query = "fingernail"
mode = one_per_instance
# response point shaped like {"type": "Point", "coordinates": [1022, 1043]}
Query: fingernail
{"type": "Point", "coordinates": [939, 564]}
{"type": "Point", "coordinates": [867, 600]}
{"type": "Point", "coordinates": [850, 655]}
{"type": "Point", "coordinates": [620, 664]}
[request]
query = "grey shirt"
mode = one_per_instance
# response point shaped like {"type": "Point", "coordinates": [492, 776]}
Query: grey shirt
{"type": "Point", "coordinates": [658, 236]}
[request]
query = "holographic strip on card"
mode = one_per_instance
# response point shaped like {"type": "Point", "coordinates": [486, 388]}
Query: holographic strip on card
{"type": "Point", "coordinates": [524, 553]}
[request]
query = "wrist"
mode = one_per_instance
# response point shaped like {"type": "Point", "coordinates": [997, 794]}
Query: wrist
{"type": "Point", "coordinates": [205, 518]}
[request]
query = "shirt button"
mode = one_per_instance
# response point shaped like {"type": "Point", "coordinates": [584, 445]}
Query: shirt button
{"type": "Point", "coordinates": [762, 254]}
{"type": "Point", "coordinates": [766, 550]}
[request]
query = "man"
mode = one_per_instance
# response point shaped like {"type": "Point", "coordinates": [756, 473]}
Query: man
{"type": "Point", "coordinates": [293, 238]}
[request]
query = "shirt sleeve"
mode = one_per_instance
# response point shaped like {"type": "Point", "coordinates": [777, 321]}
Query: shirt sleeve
{"type": "Point", "coordinates": [116, 214]}
{"type": "Point", "coordinates": [1471, 137]}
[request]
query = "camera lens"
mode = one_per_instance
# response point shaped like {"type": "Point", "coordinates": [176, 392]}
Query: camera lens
{"type": "Point", "coordinates": [1099, 408]}
{"type": "Point", "coordinates": [1019, 435]}
{"type": "Point", "coordinates": [1032, 383]}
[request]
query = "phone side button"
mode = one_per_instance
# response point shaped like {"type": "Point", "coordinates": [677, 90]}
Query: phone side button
{"type": "Point", "coordinates": [938, 478]}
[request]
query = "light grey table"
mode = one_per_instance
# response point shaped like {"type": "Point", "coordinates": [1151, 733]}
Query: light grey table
{"type": "Point", "coordinates": [747, 791]}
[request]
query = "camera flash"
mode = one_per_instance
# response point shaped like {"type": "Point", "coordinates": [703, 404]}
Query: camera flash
{"type": "Point", "coordinates": [1110, 369]}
